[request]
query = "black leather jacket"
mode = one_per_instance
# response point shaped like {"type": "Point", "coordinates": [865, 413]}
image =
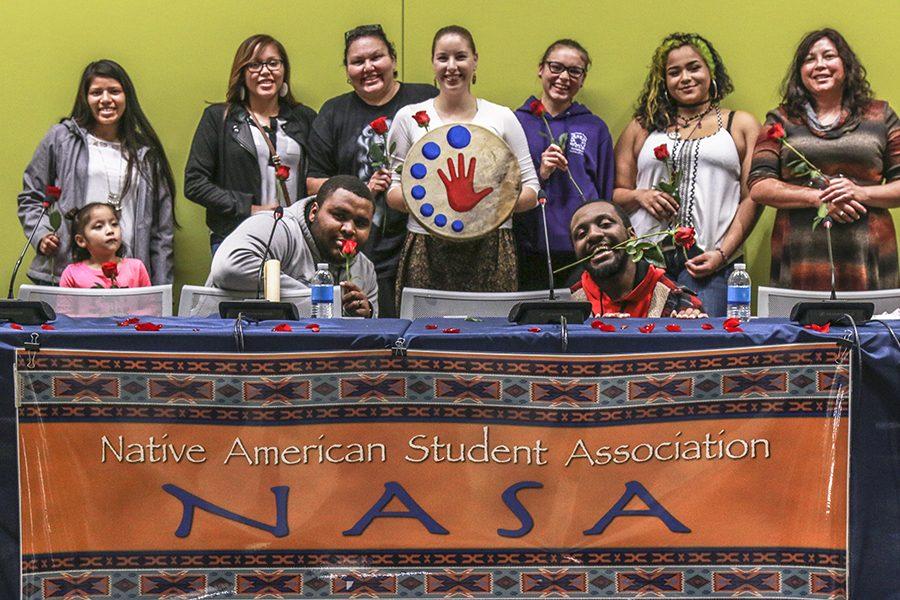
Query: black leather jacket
{"type": "Point", "coordinates": [222, 171]}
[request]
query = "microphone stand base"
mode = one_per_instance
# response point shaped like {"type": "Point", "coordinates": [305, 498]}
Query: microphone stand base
{"type": "Point", "coordinates": [259, 310]}
{"type": "Point", "coordinates": [547, 312]}
{"type": "Point", "coordinates": [26, 312]}
{"type": "Point", "coordinates": [831, 311]}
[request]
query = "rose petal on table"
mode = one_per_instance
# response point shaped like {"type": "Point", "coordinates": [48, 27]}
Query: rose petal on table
{"type": "Point", "coordinates": [534, 329]}
{"type": "Point", "coordinates": [735, 329]}
{"type": "Point", "coordinates": [731, 322]}
{"type": "Point", "coordinates": [47, 327]}
{"type": "Point", "coordinates": [15, 326]}
{"type": "Point", "coordinates": [314, 327]}
{"type": "Point", "coordinates": [820, 328]}
{"type": "Point", "coordinates": [148, 326]}
{"type": "Point", "coordinates": [451, 330]}
{"type": "Point", "coordinates": [647, 327]}
{"type": "Point", "coordinates": [673, 327]}
{"type": "Point", "coordinates": [431, 326]}
{"type": "Point", "coordinates": [282, 328]}
{"type": "Point", "coordinates": [707, 326]}
{"type": "Point", "coordinates": [129, 322]}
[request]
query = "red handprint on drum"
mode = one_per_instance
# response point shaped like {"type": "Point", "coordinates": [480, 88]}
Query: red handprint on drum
{"type": "Point", "coordinates": [461, 194]}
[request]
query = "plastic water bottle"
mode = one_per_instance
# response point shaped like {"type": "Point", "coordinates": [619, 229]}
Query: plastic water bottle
{"type": "Point", "coordinates": [739, 293]}
{"type": "Point", "coordinates": [322, 292]}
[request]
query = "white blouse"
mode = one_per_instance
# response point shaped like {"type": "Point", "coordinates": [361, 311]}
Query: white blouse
{"type": "Point", "coordinates": [289, 152]}
{"type": "Point", "coordinates": [107, 164]}
{"type": "Point", "coordinates": [405, 132]}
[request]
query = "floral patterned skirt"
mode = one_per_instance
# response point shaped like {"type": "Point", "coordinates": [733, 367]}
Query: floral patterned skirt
{"type": "Point", "coordinates": [487, 264]}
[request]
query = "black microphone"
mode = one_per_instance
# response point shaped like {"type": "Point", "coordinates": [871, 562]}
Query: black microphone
{"type": "Point", "coordinates": [542, 201]}
{"type": "Point", "coordinates": [277, 214]}
{"type": "Point", "coordinates": [50, 196]}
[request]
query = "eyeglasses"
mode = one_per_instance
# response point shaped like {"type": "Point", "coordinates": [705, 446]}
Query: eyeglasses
{"type": "Point", "coordinates": [273, 64]}
{"type": "Point", "coordinates": [362, 31]}
{"type": "Point", "coordinates": [557, 67]}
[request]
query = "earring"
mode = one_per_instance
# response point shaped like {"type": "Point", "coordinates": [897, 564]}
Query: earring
{"type": "Point", "coordinates": [243, 93]}
{"type": "Point", "coordinates": [474, 78]}
{"type": "Point", "coordinates": [715, 94]}
{"type": "Point", "coordinates": [349, 82]}
{"type": "Point", "coordinates": [285, 88]}
{"type": "Point", "coordinates": [666, 93]}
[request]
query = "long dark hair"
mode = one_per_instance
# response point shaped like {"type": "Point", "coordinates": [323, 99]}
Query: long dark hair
{"type": "Point", "coordinates": [246, 54]}
{"type": "Point", "coordinates": [80, 218]}
{"type": "Point", "coordinates": [134, 129]}
{"type": "Point", "coordinates": [654, 110]}
{"type": "Point", "coordinates": [857, 91]}
{"type": "Point", "coordinates": [374, 31]}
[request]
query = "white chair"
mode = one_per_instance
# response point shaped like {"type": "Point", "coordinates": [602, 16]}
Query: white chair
{"type": "Point", "coordinates": [778, 302]}
{"type": "Point", "coordinates": [152, 301]}
{"type": "Point", "coordinates": [418, 303]}
{"type": "Point", "coordinates": [200, 301]}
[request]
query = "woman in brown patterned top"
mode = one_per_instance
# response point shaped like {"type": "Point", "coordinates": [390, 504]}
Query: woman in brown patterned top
{"type": "Point", "coordinates": [829, 114]}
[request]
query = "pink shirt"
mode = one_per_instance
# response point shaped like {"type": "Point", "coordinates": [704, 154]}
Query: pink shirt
{"type": "Point", "coordinates": [132, 274]}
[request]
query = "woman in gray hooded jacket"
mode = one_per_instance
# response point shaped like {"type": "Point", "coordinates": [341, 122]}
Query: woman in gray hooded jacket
{"type": "Point", "coordinates": [106, 151]}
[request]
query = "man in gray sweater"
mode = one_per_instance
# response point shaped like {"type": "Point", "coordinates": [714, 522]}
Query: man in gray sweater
{"type": "Point", "coordinates": [312, 231]}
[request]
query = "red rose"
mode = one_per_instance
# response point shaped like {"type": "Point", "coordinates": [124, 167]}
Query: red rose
{"type": "Point", "coordinates": [776, 132]}
{"type": "Point", "coordinates": [684, 237]}
{"type": "Point", "coordinates": [379, 125]}
{"type": "Point", "coordinates": [282, 328]}
{"type": "Point", "coordinates": [283, 172]}
{"type": "Point", "coordinates": [647, 328]}
{"type": "Point", "coordinates": [673, 327]}
{"type": "Point", "coordinates": [348, 248]}
{"type": "Point", "coordinates": [735, 329]}
{"type": "Point", "coordinates": [148, 326]}
{"type": "Point", "coordinates": [537, 108]}
{"type": "Point", "coordinates": [421, 118]}
{"type": "Point", "coordinates": [110, 269]}
{"type": "Point", "coordinates": [661, 152]}
{"type": "Point", "coordinates": [53, 193]}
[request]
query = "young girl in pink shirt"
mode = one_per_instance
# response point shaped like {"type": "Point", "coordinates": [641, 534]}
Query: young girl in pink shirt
{"type": "Point", "coordinates": [97, 252]}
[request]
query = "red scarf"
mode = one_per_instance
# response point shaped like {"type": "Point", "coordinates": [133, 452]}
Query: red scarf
{"type": "Point", "coordinates": [636, 302]}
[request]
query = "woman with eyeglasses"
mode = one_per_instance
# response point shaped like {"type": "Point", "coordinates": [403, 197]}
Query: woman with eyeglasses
{"type": "Point", "coordinates": [245, 147]}
{"type": "Point", "coordinates": [486, 264]}
{"type": "Point", "coordinates": [679, 124]}
{"type": "Point", "coordinates": [343, 142]}
{"type": "Point", "coordinates": [576, 166]}
{"type": "Point", "coordinates": [105, 151]}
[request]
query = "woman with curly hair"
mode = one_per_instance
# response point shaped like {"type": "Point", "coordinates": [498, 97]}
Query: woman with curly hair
{"type": "Point", "coordinates": [678, 120]}
{"type": "Point", "coordinates": [828, 113]}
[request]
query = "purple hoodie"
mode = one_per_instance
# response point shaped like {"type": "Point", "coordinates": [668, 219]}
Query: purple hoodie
{"type": "Point", "coordinates": [591, 162]}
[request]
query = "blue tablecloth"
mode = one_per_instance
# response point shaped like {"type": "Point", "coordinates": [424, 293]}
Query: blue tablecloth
{"type": "Point", "coordinates": [875, 421]}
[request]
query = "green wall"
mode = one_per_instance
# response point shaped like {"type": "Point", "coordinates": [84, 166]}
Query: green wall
{"type": "Point", "coordinates": [179, 54]}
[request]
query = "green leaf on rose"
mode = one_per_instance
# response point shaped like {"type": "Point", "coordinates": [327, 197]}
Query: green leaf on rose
{"type": "Point", "coordinates": [562, 140]}
{"type": "Point", "coordinates": [654, 255]}
{"type": "Point", "coordinates": [55, 220]}
{"type": "Point", "coordinates": [821, 213]}
{"type": "Point", "coordinates": [393, 147]}
{"type": "Point", "coordinates": [376, 154]}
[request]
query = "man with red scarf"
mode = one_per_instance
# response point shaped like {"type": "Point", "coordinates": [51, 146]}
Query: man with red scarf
{"type": "Point", "coordinates": [614, 284]}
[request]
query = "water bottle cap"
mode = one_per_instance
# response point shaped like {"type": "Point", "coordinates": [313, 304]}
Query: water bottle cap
{"type": "Point", "coordinates": [740, 266]}
{"type": "Point", "coordinates": [321, 266]}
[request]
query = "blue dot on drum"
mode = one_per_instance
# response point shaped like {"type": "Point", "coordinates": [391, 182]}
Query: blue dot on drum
{"type": "Point", "coordinates": [459, 137]}
{"type": "Point", "coordinates": [418, 192]}
{"type": "Point", "coordinates": [419, 171]}
{"type": "Point", "coordinates": [431, 151]}
{"type": "Point", "coordinates": [457, 226]}
{"type": "Point", "coordinates": [426, 209]}
{"type": "Point", "coordinates": [440, 220]}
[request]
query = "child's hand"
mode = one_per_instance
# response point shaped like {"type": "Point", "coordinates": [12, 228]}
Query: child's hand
{"type": "Point", "coordinates": [49, 244]}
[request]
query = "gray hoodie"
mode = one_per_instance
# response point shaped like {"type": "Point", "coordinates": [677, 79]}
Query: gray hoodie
{"type": "Point", "coordinates": [61, 159]}
{"type": "Point", "coordinates": [235, 266]}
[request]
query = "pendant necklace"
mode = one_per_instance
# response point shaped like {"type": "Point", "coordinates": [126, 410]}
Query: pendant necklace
{"type": "Point", "coordinates": [113, 198]}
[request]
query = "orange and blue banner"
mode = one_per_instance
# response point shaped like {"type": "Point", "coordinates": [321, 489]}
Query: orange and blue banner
{"type": "Point", "coordinates": [362, 474]}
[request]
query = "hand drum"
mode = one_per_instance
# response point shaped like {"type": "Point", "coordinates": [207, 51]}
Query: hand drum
{"type": "Point", "coordinates": [461, 181]}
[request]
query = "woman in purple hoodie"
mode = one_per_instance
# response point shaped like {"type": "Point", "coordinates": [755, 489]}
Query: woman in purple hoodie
{"type": "Point", "coordinates": [573, 154]}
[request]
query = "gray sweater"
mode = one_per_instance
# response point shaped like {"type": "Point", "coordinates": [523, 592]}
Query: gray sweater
{"type": "Point", "coordinates": [236, 263]}
{"type": "Point", "coordinates": [61, 159]}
